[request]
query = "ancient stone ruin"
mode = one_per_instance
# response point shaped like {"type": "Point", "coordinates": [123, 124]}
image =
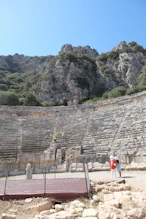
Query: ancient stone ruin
{"type": "Point", "coordinates": [91, 134]}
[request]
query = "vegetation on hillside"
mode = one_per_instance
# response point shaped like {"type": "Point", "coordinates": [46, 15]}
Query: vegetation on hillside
{"type": "Point", "coordinates": [35, 80]}
{"type": "Point", "coordinates": [122, 91]}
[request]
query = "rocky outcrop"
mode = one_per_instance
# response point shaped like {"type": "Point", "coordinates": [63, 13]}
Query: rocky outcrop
{"type": "Point", "coordinates": [75, 74]}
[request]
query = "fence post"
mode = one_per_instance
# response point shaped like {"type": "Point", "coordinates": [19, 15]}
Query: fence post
{"type": "Point", "coordinates": [45, 182]}
{"type": "Point", "coordinates": [5, 183]}
{"type": "Point", "coordinates": [87, 179]}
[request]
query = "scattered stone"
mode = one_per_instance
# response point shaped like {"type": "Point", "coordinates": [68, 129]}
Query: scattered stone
{"type": "Point", "coordinates": [8, 216]}
{"type": "Point", "coordinates": [40, 207]}
{"type": "Point", "coordinates": [59, 207]}
{"type": "Point", "coordinates": [96, 198]}
{"type": "Point", "coordinates": [28, 200]}
{"type": "Point", "coordinates": [90, 212]}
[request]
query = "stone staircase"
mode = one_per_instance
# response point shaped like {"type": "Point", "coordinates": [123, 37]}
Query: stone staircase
{"type": "Point", "coordinates": [35, 134]}
{"type": "Point", "coordinates": [132, 134]}
{"type": "Point", "coordinates": [101, 131]}
{"type": "Point", "coordinates": [8, 138]}
{"type": "Point", "coordinates": [73, 127]}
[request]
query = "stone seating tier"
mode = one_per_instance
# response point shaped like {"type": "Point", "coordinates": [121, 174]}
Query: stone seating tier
{"type": "Point", "coordinates": [112, 126]}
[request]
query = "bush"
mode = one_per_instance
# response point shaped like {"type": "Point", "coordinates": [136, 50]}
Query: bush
{"type": "Point", "coordinates": [117, 92]}
{"type": "Point", "coordinates": [83, 99]}
{"type": "Point", "coordinates": [114, 55]}
{"type": "Point", "coordinates": [142, 79]}
{"type": "Point", "coordinates": [133, 43]}
{"type": "Point", "coordinates": [105, 96]}
{"type": "Point", "coordinates": [48, 103]}
{"type": "Point", "coordinates": [8, 98]}
{"type": "Point", "coordinates": [103, 57]}
{"type": "Point", "coordinates": [82, 83]}
{"type": "Point", "coordinates": [31, 100]}
{"type": "Point", "coordinates": [42, 59]}
{"type": "Point", "coordinates": [135, 90]}
{"type": "Point", "coordinates": [132, 91]}
{"type": "Point", "coordinates": [72, 57]}
{"type": "Point", "coordinates": [3, 87]}
{"type": "Point", "coordinates": [138, 48]}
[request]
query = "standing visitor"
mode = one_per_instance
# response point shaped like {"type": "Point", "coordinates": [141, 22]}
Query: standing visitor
{"type": "Point", "coordinates": [113, 166]}
{"type": "Point", "coordinates": [118, 166]}
{"type": "Point", "coordinates": [54, 138]}
{"type": "Point", "coordinates": [62, 134]}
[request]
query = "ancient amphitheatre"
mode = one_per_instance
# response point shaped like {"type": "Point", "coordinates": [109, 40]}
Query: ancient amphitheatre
{"type": "Point", "coordinates": [92, 133]}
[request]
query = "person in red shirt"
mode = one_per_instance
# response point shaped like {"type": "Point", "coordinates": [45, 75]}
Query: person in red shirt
{"type": "Point", "coordinates": [113, 166]}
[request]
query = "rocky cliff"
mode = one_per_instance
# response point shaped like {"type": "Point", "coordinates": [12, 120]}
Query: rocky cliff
{"type": "Point", "coordinates": [74, 75]}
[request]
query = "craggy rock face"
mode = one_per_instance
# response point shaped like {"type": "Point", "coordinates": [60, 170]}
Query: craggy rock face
{"type": "Point", "coordinates": [76, 74]}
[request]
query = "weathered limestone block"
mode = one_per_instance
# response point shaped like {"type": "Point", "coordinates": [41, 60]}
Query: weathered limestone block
{"type": "Point", "coordinates": [80, 167]}
{"type": "Point", "coordinates": [137, 213]}
{"type": "Point", "coordinates": [61, 168]}
{"type": "Point", "coordinates": [38, 170]}
{"type": "Point", "coordinates": [59, 207]}
{"type": "Point", "coordinates": [61, 215]}
{"type": "Point", "coordinates": [90, 212]}
{"type": "Point", "coordinates": [8, 216]}
{"type": "Point", "coordinates": [52, 169]}
{"type": "Point", "coordinates": [132, 166]}
{"type": "Point", "coordinates": [97, 166]}
{"type": "Point", "coordinates": [73, 167]}
{"type": "Point", "coordinates": [108, 197]}
{"type": "Point", "coordinates": [106, 166]}
{"type": "Point", "coordinates": [15, 172]}
{"type": "Point", "coordinates": [90, 166]}
{"type": "Point", "coordinates": [141, 166]}
{"type": "Point", "coordinates": [46, 205]}
{"type": "Point", "coordinates": [28, 171]}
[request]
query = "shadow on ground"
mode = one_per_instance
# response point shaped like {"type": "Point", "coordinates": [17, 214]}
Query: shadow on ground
{"type": "Point", "coordinates": [128, 177]}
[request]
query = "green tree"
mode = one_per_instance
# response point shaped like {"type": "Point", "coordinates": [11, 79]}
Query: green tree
{"type": "Point", "coordinates": [117, 92]}
{"type": "Point", "coordinates": [8, 98]}
{"type": "Point", "coordinates": [142, 79]}
{"type": "Point", "coordinates": [3, 87]}
{"type": "Point", "coordinates": [31, 100]}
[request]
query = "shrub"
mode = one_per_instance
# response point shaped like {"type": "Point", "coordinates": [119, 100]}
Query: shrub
{"type": "Point", "coordinates": [114, 55]}
{"type": "Point", "coordinates": [142, 79]}
{"type": "Point", "coordinates": [3, 87]}
{"type": "Point", "coordinates": [42, 59]}
{"type": "Point", "coordinates": [31, 100]}
{"type": "Point", "coordinates": [82, 83]}
{"type": "Point", "coordinates": [138, 48]}
{"type": "Point", "coordinates": [8, 98]}
{"type": "Point", "coordinates": [72, 58]}
{"type": "Point", "coordinates": [48, 103]}
{"type": "Point", "coordinates": [105, 96]}
{"type": "Point", "coordinates": [103, 57]}
{"type": "Point", "coordinates": [132, 91]}
{"type": "Point", "coordinates": [83, 99]}
{"type": "Point", "coordinates": [117, 92]}
{"type": "Point", "coordinates": [133, 43]}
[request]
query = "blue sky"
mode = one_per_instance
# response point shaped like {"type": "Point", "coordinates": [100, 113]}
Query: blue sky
{"type": "Point", "coordinates": [41, 27]}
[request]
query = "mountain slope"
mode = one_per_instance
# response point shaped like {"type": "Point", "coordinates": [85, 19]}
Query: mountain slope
{"type": "Point", "coordinates": [74, 75]}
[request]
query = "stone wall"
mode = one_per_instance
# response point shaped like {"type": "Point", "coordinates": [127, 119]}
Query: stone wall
{"type": "Point", "coordinates": [92, 133]}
